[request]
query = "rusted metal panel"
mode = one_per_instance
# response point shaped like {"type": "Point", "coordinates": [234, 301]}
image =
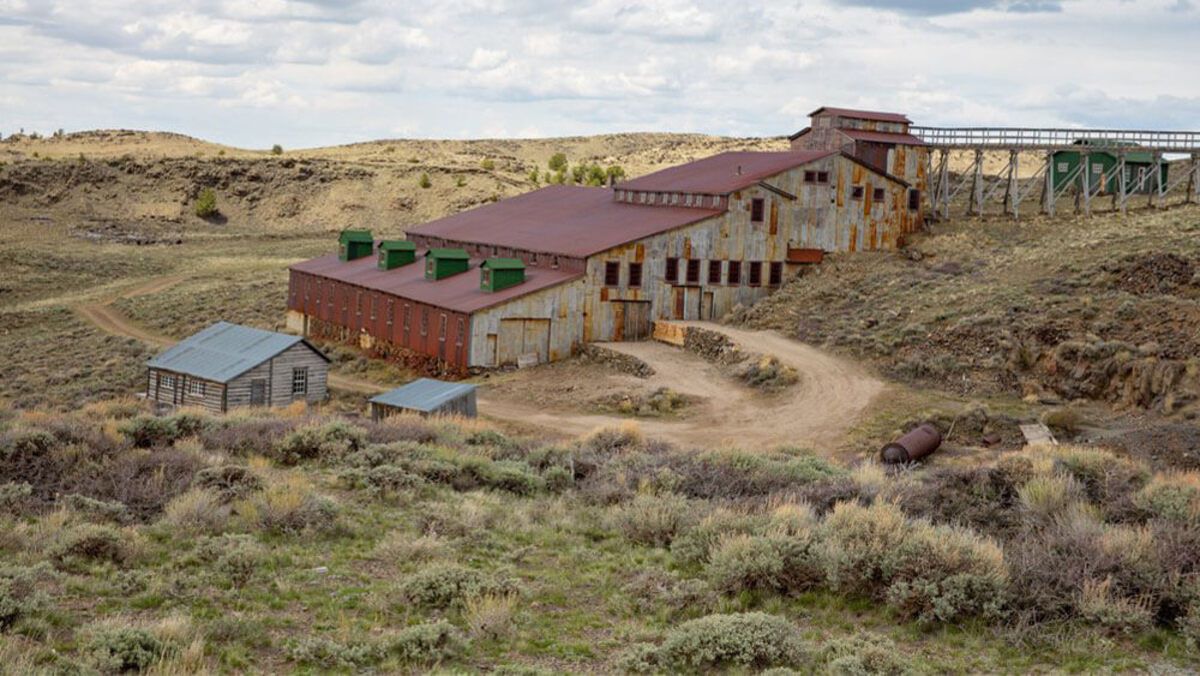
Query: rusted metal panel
{"type": "Point", "coordinates": [723, 173]}
{"type": "Point", "coordinates": [865, 115]}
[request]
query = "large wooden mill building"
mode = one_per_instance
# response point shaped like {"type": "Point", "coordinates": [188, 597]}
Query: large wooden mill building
{"type": "Point", "coordinates": [537, 275]}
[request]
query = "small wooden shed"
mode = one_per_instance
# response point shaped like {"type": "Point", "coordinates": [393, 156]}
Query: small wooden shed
{"type": "Point", "coordinates": [426, 396]}
{"type": "Point", "coordinates": [228, 365]}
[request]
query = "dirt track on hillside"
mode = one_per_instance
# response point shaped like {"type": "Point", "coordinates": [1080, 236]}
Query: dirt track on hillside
{"type": "Point", "coordinates": [815, 413]}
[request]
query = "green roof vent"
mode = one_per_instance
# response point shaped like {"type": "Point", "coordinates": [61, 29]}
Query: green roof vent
{"type": "Point", "coordinates": [443, 263]}
{"type": "Point", "coordinates": [500, 273]}
{"type": "Point", "coordinates": [354, 244]}
{"type": "Point", "coordinates": [394, 253]}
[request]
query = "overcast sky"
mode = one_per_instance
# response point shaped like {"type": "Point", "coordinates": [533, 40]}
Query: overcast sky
{"type": "Point", "coordinates": [318, 72]}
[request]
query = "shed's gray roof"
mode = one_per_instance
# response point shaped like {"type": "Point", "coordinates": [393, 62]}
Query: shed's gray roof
{"type": "Point", "coordinates": [423, 394]}
{"type": "Point", "coordinates": [225, 351]}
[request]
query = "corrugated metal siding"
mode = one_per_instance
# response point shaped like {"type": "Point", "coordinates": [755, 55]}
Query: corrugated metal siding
{"type": "Point", "coordinates": [563, 306]}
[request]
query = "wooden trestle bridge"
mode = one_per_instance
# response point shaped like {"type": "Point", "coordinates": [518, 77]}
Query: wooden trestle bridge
{"type": "Point", "coordinates": [1081, 181]}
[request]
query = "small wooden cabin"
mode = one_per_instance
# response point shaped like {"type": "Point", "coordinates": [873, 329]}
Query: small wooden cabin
{"type": "Point", "coordinates": [227, 365]}
{"type": "Point", "coordinates": [426, 396]}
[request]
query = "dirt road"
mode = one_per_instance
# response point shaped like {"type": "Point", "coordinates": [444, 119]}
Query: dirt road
{"type": "Point", "coordinates": [815, 413]}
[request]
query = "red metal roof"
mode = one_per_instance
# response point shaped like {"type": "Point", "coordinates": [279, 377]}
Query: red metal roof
{"type": "Point", "coordinates": [723, 173]}
{"type": "Point", "coordinates": [861, 114]}
{"type": "Point", "coordinates": [460, 293]}
{"type": "Point", "coordinates": [558, 219]}
{"type": "Point", "coordinates": [883, 137]}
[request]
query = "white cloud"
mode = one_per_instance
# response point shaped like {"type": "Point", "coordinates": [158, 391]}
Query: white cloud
{"type": "Point", "coordinates": [487, 59]}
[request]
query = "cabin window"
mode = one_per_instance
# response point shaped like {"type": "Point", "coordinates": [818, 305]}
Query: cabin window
{"type": "Point", "coordinates": [635, 275]}
{"type": "Point", "coordinates": [195, 387]}
{"type": "Point", "coordinates": [878, 194]}
{"type": "Point", "coordinates": [776, 273]}
{"type": "Point", "coordinates": [612, 273]}
{"type": "Point", "coordinates": [735, 273]}
{"type": "Point", "coordinates": [810, 177]}
{"type": "Point", "coordinates": [424, 321]}
{"type": "Point", "coordinates": [442, 329]}
{"type": "Point", "coordinates": [462, 329]}
{"type": "Point", "coordinates": [714, 272]}
{"type": "Point", "coordinates": [756, 210]}
{"type": "Point", "coordinates": [672, 270]}
{"type": "Point", "coordinates": [914, 199]}
{"type": "Point", "coordinates": [300, 380]}
{"type": "Point", "coordinates": [856, 192]}
{"type": "Point", "coordinates": [822, 177]}
{"type": "Point", "coordinates": [407, 317]}
{"type": "Point", "coordinates": [755, 273]}
{"type": "Point", "coordinates": [693, 271]}
{"type": "Point", "coordinates": [168, 381]}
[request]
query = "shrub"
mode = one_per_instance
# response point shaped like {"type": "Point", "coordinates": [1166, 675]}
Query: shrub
{"type": "Point", "coordinates": [1047, 496]}
{"type": "Point", "coordinates": [695, 545]}
{"type": "Point", "coordinates": [399, 546]}
{"type": "Point", "coordinates": [125, 649]}
{"type": "Point", "coordinates": [330, 654]}
{"type": "Point", "coordinates": [229, 482]}
{"type": "Point", "coordinates": [14, 496]}
{"type": "Point", "coordinates": [276, 149]}
{"type": "Point", "coordinates": [289, 507]}
{"type": "Point", "coordinates": [103, 509]}
{"type": "Point", "coordinates": [383, 481]}
{"type": "Point", "coordinates": [316, 442]}
{"type": "Point", "coordinates": [152, 431]}
{"type": "Point", "coordinates": [861, 654]}
{"type": "Point", "coordinates": [487, 164]}
{"type": "Point", "coordinates": [424, 181]}
{"type": "Point", "coordinates": [19, 594]}
{"type": "Point", "coordinates": [755, 640]}
{"type": "Point", "coordinates": [490, 615]}
{"type": "Point", "coordinates": [777, 562]}
{"type": "Point", "coordinates": [558, 162]}
{"type": "Point", "coordinates": [428, 643]}
{"type": "Point", "coordinates": [1173, 496]}
{"type": "Point", "coordinates": [90, 542]}
{"type": "Point", "coordinates": [240, 561]}
{"type": "Point", "coordinates": [206, 204]}
{"type": "Point", "coordinates": [654, 520]}
{"type": "Point", "coordinates": [508, 475]}
{"type": "Point", "coordinates": [1098, 605]}
{"type": "Point", "coordinates": [657, 591]}
{"type": "Point", "coordinates": [558, 479]}
{"type": "Point", "coordinates": [449, 586]}
{"type": "Point", "coordinates": [607, 440]}
{"type": "Point", "coordinates": [197, 511]}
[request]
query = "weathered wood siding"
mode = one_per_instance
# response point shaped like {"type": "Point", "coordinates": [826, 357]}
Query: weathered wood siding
{"type": "Point", "coordinates": [276, 374]}
{"type": "Point", "coordinates": [182, 393]}
{"type": "Point", "coordinates": [563, 305]}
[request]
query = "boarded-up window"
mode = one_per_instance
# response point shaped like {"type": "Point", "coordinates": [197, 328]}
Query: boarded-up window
{"type": "Point", "coordinates": [693, 271]}
{"type": "Point", "coordinates": [776, 273]}
{"type": "Point", "coordinates": [735, 272]}
{"type": "Point", "coordinates": [755, 273]}
{"type": "Point", "coordinates": [714, 272]}
{"type": "Point", "coordinates": [878, 194]}
{"type": "Point", "coordinates": [612, 273]}
{"type": "Point", "coordinates": [635, 275]}
{"type": "Point", "coordinates": [672, 274]}
{"type": "Point", "coordinates": [856, 192]}
{"type": "Point", "coordinates": [756, 210]}
{"type": "Point", "coordinates": [914, 199]}
{"type": "Point", "coordinates": [300, 380]}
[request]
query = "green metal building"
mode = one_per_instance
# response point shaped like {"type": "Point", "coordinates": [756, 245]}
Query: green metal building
{"type": "Point", "coordinates": [394, 253]}
{"type": "Point", "coordinates": [443, 263]}
{"type": "Point", "coordinates": [1139, 168]}
{"type": "Point", "coordinates": [500, 273]}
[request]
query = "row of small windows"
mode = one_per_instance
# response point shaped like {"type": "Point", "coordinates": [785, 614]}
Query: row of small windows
{"type": "Point", "coordinates": [718, 272]}
{"type": "Point", "coordinates": [372, 300]}
{"type": "Point", "coordinates": [669, 198]}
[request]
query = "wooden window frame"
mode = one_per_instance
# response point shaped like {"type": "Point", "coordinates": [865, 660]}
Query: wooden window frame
{"type": "Point", "coordinates": [754, 278]}
{"type": "Point", "coordinates": [810, 176]}
{"type": "Point", "coordinates": [857, 192]}
{"type": "Point", "coordinates": [671, 272]}
{"type": "Point", "coordinates": [914, 199]}
{"type": "Point", "coordinates": [692, 271]}
{"type": "Point", "coordinates": [635, 275]}
{"type": "Point", "coordinates": [758, 210]}
{"type": "Point", "coordinates": [878, 194]}
{"type": "Point", "coordinates": [612, 273]}
{"type": "Point", "coordinates": [733, 274]}
{"type": "Point", "coordinates": [714, 272]}
{"type": "Point", "coordinates": [775, 274]}
{"type": "Point", "coordinates": [299, 380]}
{"type": "Point", "coordinates": [822, 177]}
{"type": "Point", "coordinates": [195, 387]}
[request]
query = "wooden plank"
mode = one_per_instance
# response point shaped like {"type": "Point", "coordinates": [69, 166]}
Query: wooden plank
{"type": "Point", "coordinates": [671, 333]}
{"type": "Point", "coordinates": [1037, 433]}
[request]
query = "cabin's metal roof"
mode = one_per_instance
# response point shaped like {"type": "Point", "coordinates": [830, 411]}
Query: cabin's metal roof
{"type": "Point", "coordinates": [423, 394]}
{"type": "Point", "coordinates": [458, 293]}
{"type": "Point", "coordinates": [567, 220]}
{"type": "Point", "coordinates": [723, 173]}
{"type": "Point", "coordinates": [862, 114]}
{"type": "Point", "coordinates": [224, 351]}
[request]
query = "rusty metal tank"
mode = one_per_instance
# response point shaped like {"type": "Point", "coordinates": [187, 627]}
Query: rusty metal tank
{"type": "Point", "coordinates": [919, 442]}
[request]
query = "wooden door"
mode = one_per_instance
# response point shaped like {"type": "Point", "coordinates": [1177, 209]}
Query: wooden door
{"type": "Point", "coordinates": [491, 350]}
{"type": "Point", "coordinates": [537, 338]}
{"type": "Point", "coordinates": [258, 392]}
{"type": "Point", "coordinates": [636, 315]}
{"type": "Point", "coordinates": [511, 340]}
{"type": "Point", "coordinates": [706, 305]}
{"type": "Point", "coordinates": [680, 300]}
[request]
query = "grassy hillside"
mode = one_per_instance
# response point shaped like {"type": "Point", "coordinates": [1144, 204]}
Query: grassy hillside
{"type": "Point", "coordinates": [274, 541]}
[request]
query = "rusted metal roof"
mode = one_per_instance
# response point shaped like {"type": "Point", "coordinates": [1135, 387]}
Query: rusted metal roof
{"type": "Point", "coordinates": [459, 293]}
{"type": "Point", "coordinates": [883, 137]}
{"type": "Point", "coordinates": [559, 219]}
{"type": "Point", "coordinates": [724, 173]}
{"type": "Point", "coordinates": [861, 114]}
